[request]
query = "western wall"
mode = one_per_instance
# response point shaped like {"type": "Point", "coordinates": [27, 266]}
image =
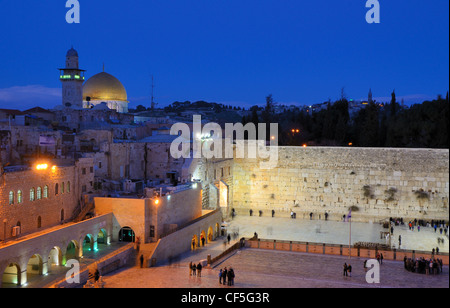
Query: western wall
{"type": "Point", "coordinates": [377, 183]}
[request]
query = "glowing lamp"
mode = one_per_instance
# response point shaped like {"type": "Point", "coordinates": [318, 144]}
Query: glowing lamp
{"type": "Point", "coordinates": [41, 167]}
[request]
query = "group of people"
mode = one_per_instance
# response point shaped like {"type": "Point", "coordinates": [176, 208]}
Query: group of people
{"type": "Point", "coordinates": [195, 270]}
{"type": "Point", "coordinates": [347, 270]}
{"type": "Point", "coordinates": [432, 266]}
{"type": "Point", "coordinates": [226, 276]}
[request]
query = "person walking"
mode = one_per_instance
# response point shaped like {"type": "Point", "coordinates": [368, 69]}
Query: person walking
{"type": "Point", "coordinates": [142, 260]}
{"type": "Point", "coordinates": [194, 269]}
{"type": "Point", "coordinates": [220, 276]}
{"type": "Point", "coordinates": [199, 270]}
{"type": "Point", "coordinates": [190, 269]}
{"type": "Point", "coordinates": [224, 275]}
{"type": "Point", "coordinates": [345, 270]}
{"type": "Point", "coordinates": [349, 269]}
{"type": "Point", "coordinates": [232, 276]}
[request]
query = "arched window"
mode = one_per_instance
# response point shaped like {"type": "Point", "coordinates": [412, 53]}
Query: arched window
{"type": "Point", "coordinates": [11, 197]}
{"type": "Point", "coordinates": [62, 187]}
{"type": "Point", "coordinates": [68, 187]}
{"type": "Point", "coordinates": [56, 188]}
{"type": "Point", "coordinates": [45, 191]}
{"type": "Point", "coordinates": [39, 222]}
{"type": "Point", "coordinates": [39, 193]}
{"type": "Point", "coordinates": [62, 214]}
{"type": "Point", "coordinates": [32, 194]}
{"type": "Point", "coordinates": [19, 196]}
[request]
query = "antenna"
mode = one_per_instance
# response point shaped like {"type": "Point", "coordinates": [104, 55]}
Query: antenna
{"type": "Point", "coordinates": [153, 103]}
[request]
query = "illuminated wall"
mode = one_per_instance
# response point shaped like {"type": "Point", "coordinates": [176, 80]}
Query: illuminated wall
{"type": "Point", "coordinates": [379, 183]}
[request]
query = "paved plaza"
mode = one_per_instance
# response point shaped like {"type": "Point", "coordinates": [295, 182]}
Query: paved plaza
{"type": "Point", "coordinates": [258, 268]}
{"type": "Point", "coordinates": [335, 232]}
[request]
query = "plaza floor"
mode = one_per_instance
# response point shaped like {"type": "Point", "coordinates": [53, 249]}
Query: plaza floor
{"type": "Point", "coordinates": [257, 268]}
{"type": "Point", "coordinates": [335, 232]}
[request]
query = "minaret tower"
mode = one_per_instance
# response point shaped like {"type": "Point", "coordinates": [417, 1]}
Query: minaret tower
{"type": "Point", "coordinates": [72, 79]}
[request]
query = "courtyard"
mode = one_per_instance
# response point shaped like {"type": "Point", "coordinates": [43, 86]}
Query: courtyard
{"type": "Point", "coordinates": [258, 268]}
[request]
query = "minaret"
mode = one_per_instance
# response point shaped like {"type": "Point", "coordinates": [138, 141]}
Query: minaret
{"type": "Point", "coordinates": [72, 79]}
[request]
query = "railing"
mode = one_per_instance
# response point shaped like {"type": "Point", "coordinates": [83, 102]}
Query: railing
{"type": "Point", "coordinates": [232, 248]}
{"type": "Point", "coordinates": [344, 250]}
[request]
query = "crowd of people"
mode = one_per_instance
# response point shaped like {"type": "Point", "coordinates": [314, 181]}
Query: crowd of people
{"type": "Point", "coordinates": [432, 266]}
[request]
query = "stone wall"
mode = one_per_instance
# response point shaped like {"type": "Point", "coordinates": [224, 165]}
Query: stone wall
{"type": "Point", "coordinates": [43, 211]}
{"type": "Point", "coordinates": [377, 182]}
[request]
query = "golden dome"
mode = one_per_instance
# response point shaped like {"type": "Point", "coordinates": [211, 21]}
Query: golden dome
{"type": "Point", "coordinates": [104, 87]}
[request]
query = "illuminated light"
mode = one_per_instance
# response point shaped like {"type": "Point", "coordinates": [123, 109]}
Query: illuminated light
{"type": "Point", "coordinates": [293, 130]}
{"type": "Point", "coordinates": [156, 201]}
{"type": "Point", "coordinates": [304, 145]}
{"type": "Point", "coordinates": [350, 144]}
{"type": "Point", "coordinates": [53, 168]}
{"type": "Point", "coordinates": [273, 137]}
{"type": "Point", "coordinates": [168, 197]}
{"type": "Point", "coordinates": [194, 186]}
{"type": "Point", "coordinates": [297, 131]}
{"type": "Point", "coordinates": [41, 167]}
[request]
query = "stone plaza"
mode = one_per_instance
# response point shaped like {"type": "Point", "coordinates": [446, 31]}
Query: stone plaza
{"type": "Point", "coordinates": [259, 268]}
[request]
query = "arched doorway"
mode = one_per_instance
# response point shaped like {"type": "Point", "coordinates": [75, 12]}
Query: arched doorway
{"type": "Point", "coordinates": [34, 267]}
{"type": "Point", "coordinates": [102, 237]}
{"type": "Point", "coordinates": [88, 243]}
{"type": "Point", "coordinates": [210, 234]}
{"type": "Point", "coordinates": [55, 257]}
{"type": "Point", "coordinates": [194, 242]}
{"type": "Point", "coordinates": [126, 234]}
{"type": "Point", "coordinates": [11, 276]}
{"type": "Point", "coordinates": [202, 238]}
{"type": "Point", "coordinates": [71, 252]}
{"type": "Point", "coordinates": [217, 230]}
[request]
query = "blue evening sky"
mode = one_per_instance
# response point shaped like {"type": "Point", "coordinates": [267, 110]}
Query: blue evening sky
{"type": "Point", "coordinates": [228, 51]}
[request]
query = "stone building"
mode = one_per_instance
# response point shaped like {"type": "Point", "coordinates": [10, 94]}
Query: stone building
{"type": "Point", "coordinates": [41, 196]}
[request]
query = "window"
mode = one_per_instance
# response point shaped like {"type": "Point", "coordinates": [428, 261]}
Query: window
{"type": "Point", "coordinates": [99, 164]}
{"type": "Point", "coordinates": [91, 169]}
{"type": "Point", "coordinates": [83, 171]}
{"type": "Point", "coordinates": [62, 215]}
{"type": "Point", "coordinates": [32, 194]}
{"type": "Point", "coordinates": [83, 188]}
{"type": "Point", "coordinates": [19, 196]}
{"type": "Point", "coordinates": [39, 222]}
{"type": "Point", "coordinates": [11, 197]}
{"type": "Point", "coordinates": [56, 188]}
{"type": "Point", "coordinates": [45, 191]}
{"type": "Point", "coordinates": [38, 193]}
{"type": "Point", "coordinates": [68, 187]}
{"type": "Point", "coordinates": [152, 231]}
{"type": "Point", "coordinates": [62, 187]}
